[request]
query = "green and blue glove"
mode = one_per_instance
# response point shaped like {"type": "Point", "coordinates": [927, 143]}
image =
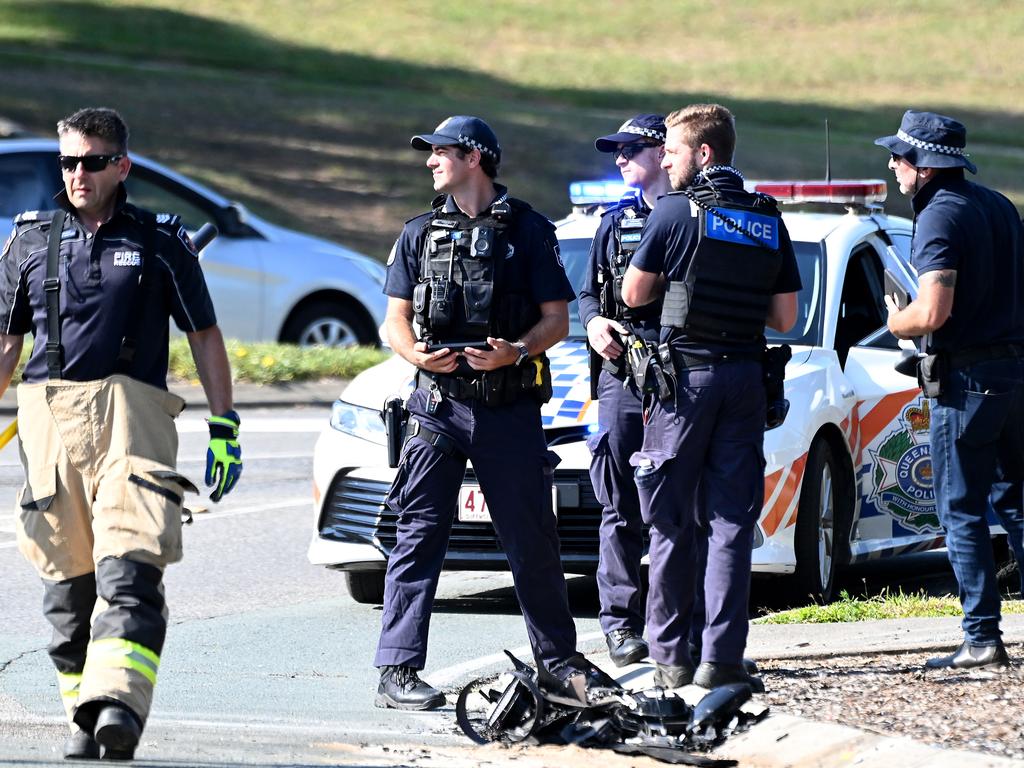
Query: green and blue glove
{"type": "Point", "coordinates": [224, 456]}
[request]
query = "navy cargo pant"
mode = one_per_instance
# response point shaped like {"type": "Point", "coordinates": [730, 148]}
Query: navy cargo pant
{"type": "Point", "coordinates": [620, 434]}
{"type": "Point", "coordinates": [509, 455]}
{"type": "Point", "coordinates": [702, 462]}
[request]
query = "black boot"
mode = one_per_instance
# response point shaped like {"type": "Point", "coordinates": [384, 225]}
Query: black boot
{"type": "Point", "coordinates": [671, 676]}
{"type": "Point", "coordinates": [748, 664]}
{"type": "Point", "coordinates": [401, 688]}
{"type": "Point", "coordinates": [118, 731]}
{"type": "Point", "coordinates": [81, 746]}
{"type": "Point", "coordinates": [711, 674]}
{"type": "Point", "coordinates": [625, 647]}
{"type": "Point", "coordinates": [969, 656]}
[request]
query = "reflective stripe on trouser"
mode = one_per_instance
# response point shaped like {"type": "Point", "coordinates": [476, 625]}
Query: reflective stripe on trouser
{"type": "Point", "coordinates": [101, 487]}
{"type": "Point", "coordinates": [121, 670]}
{"type": "Point", "coordinates": [69, 683]}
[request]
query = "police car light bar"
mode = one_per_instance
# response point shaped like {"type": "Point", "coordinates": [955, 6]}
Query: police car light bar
{"type": "Point", "coordinates": [597, 192]}
{"type": "Point", "coordinates": [845, 191]}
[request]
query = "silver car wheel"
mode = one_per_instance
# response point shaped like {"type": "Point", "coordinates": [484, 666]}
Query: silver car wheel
{"type": "Point", "coordinates": [826, 527]}
{"type": "Point", "coordinates": [328, 332]}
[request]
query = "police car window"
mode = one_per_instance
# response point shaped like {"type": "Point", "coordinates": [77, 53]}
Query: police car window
{"type": "Point", "coordinates": [28, 182]}
{"type": "Point", "coordinates": [808, 327]}
{"type": "Point", "coordinates": [574, 255]}
{"type": "Point", "coordinates": [159, 195]}
{"type": "Point", "coordinates": [862, 306]}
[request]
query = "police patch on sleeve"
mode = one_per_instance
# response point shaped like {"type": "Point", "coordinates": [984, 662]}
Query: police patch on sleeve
{"type": "Point", "coordinates": [187, 241]}
{"type": "Point", "coordinates": [557, 251]}
{"type": "Point", "coordinates": [393, 254]}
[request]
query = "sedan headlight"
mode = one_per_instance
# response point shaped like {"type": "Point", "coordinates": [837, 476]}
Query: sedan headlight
{"type": "Point", "coordinates": [355, 420]}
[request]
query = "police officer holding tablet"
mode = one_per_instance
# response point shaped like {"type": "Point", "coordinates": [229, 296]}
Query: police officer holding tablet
{"type": "Point", "coordinates": [637, 149]}
{"type": "Point", "coordinates": [481, 275]}
{"type": "Point", "coordinates": [721, 283]}
{"type": "Point", "coordinates": [968, 250]}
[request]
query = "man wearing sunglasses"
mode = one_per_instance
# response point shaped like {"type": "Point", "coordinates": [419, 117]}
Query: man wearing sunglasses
{"type": "Point", "coordinates": [95, 282]}
{"type": "Point", "coordinates": [637, 148]}
{"type": "Point", "coordinates": [968, 249]}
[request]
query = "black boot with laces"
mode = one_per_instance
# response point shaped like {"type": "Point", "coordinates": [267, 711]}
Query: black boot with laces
{"type": "Point", "coordinates": [625, 647]}
{"type": "Point", "coordinates": [401, 688]}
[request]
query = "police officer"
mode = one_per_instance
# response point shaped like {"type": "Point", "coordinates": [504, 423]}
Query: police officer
{"type": "Point", "coordinates": [727, 266]}
{"type": "Point", "coordinates": [100, 515]}
{"type": "Point", "coordinates": [637, 149]}
{"type": "Point", "coordinates": [968, 249]}
{"type": "Point", "coordinates": [482, 277]}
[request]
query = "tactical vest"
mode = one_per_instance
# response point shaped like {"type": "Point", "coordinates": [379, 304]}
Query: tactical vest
{"type": "Point", "coordinates": [626, 232]}
{"type": "Point", "coordinates": [727, 289]}
{"type": "Point", "coordinates": [460, 296]}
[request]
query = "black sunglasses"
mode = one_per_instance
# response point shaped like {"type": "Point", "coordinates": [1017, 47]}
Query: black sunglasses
{"type": "Point", "coordinates": [91, 163]}
{"type": "Point", "coordinates": [896, 158]}
{"type": "Point", "coordinates": [629, 151]}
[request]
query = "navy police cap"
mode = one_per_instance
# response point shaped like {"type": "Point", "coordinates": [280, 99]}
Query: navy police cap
{"type": "Point", "coordinates": [634, 130]}
{"type": "Point", "coordinates": [930, 140]}
{"type": "Point", "coordinates": [466, 130]}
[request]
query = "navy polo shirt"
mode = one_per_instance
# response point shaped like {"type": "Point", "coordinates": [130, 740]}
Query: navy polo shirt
{"type": "Point", "coordinates": [533, 266]}
{"type": "Point", "coordinates": [99, 279]}
{"type": "Point", "coordinates": [670, 239]}
{"type": "Point", "coordinates": [976, 231]}
{"type": "Point", "coordinates": [647, 319]}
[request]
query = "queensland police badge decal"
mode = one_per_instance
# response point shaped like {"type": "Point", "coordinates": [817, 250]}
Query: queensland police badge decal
{"type": "Point", "coordinates": [901, 480]}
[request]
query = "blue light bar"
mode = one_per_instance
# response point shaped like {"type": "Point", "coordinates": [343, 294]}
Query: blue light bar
{"type": "Point", "coordinates": [596, 192]}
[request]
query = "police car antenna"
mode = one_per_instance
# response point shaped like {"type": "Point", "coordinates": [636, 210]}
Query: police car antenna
{"type": "Point", "coordinates": [828, 155]}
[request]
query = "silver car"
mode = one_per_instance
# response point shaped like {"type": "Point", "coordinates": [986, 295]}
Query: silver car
{"type": "Point", "coordinates": [268, 283]}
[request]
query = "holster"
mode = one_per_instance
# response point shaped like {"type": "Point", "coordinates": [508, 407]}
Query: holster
{"type": "Point", "coordinates": [774, 377]}
{"type": "Point", "coordinates": [395, 417]}
{"type": "Point", "coordinates": [931, 373]}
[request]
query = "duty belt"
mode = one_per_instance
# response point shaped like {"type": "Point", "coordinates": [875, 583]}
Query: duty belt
{"type": "Point", "coordinates": [684, 360]}
{"type": "Point", "coordinates": [455, 386]}
{"type": "Point", "coordinates": [972, 355]}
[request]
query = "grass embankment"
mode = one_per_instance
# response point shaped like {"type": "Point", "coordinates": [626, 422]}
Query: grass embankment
{"type": "Point", "coordinates": [303, 111]}
{"type": "Point", "coordinates": [884, 606]}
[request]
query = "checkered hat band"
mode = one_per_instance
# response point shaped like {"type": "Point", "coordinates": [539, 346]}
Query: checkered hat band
{"type": "Point", "coordinates": [466, 141]}
{"type": "Point", "coordinates": [941, 148]}
{"type": "Point", "coordinates": [648, 132]}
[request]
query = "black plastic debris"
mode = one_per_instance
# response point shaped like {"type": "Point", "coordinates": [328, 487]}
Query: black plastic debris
{"type": "Point", "coordinates": [524, 707]}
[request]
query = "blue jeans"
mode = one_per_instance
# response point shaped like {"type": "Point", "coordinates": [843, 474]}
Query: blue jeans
{"type": "Point", "coordinates": [977, 435]}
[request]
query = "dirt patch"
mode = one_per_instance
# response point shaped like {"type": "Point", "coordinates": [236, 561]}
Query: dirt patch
{"type": "Point", "coordinates": [892, 695]}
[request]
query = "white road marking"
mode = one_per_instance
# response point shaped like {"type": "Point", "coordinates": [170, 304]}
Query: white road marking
{"type": "Point", "coordinates": [215, 514]}
{"type": "Point", "coordinates": [250, 426]}
{"type": "Point", "coordinates": [449, 675]}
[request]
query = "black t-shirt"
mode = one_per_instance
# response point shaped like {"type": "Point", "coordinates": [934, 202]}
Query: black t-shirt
{"type": "Point", "coordinates": [670, 240]}
{"type": "Point", "coordinates": [532, 268]}
{"type": "Point", "coordinates": [99, 280]}
{"type": "Point", "coordinates": [977, 232]}
{"type": "Point", "coordinates": [647, 319]}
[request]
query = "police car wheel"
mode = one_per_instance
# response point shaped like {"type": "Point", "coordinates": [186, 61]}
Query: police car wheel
{"type": "Point", "coordinates": [821, 526]}
{"type": "Point", "coordinates": [328, 324]}
{"type": "Point", "coordinates": [366, 587]}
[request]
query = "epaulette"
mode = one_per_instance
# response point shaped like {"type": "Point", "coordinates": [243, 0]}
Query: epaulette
{"type": "Point", "coordinates": [168, 221]}
{"type": "Point", "coordinates": [33, 217]}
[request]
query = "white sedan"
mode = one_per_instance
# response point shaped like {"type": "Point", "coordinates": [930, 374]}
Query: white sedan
{"type": "Point", "coordinates": [268, 283]}
{"type": "Point", "coordinates": [848, 474]}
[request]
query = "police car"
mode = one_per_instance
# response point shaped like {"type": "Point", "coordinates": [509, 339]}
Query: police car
{"type": "Point", "coordinates": [268, 283]}
{"type": "Point", "coordinates": [848, 475]}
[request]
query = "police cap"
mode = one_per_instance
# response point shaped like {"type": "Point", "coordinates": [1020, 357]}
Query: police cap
{"type": "Point", "coordinates": [649, 127]}
{"type": "Point", "coordinates": [466, 130]}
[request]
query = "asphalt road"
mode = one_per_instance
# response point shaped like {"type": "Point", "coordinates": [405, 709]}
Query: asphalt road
{"type": "Point", "coordinates": [268, 660]}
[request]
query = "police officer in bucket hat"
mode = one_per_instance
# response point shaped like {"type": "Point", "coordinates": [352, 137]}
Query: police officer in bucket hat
{"type": "Point", "coordinates": [968, 249]}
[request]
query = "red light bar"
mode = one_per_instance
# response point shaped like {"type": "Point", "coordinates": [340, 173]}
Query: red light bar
{"type": "Point", "coordinates": [856, 191]}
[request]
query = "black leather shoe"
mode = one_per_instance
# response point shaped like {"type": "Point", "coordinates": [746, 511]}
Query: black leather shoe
{"type": "Point", "coordinates": [969, 656]}
{"type": "Point", "coordinates": [748, 664]}
{"type": "Point", "coordinates": [671, 676]}
{"type": "Point", "coordinates": [625, 647]}
{"type": "Point", "coordinates": [401, 688]}
{"type": "Point", "coordinates": [574, 677]}
{"type": "Point", "coordinates": [81, 746]}
{"type": "Point", "coordinates": [118, 731]}
{"type": "Point", "coordinates": [711, 674]}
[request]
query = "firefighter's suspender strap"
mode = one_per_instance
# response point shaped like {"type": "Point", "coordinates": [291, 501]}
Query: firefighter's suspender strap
{"type": "Point", "coordinates": [51, 288]}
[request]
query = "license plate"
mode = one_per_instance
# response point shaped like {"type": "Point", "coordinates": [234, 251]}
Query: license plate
{"type": "Point", "coordinates": [473, 506]}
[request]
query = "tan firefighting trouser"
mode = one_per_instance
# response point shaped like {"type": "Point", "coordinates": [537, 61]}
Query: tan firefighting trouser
{"type": "Point", "coordinates": [102, 497]}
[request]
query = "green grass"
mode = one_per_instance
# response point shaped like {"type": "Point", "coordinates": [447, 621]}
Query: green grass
{"type": "Point", "coordinates": [304, 110]}
{"type": "Point", "coordinates": [884, 606]}
{"type": "Point", "coordinates": [277, 363]}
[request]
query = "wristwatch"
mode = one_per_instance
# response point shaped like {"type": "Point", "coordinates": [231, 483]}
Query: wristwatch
{"type": "Point", "coordinates": [524, 352]}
